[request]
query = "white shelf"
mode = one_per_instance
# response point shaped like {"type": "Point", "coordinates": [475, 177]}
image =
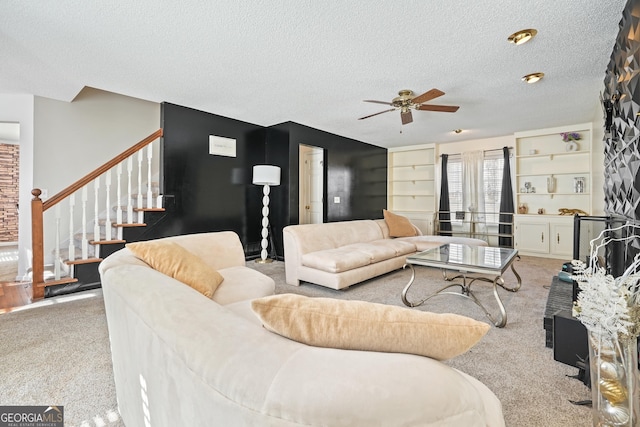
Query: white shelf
{"type": "Point", "coordinates": [551, 155]}
{"type": "Point", "coordinates": [549, 234]}
{"type": "Point", "coordinates": [411, 180]}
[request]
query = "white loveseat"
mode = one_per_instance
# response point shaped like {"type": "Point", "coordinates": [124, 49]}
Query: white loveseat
{"type": "Point", "coordinates": [340, 254]}
{"type": "Point", "coordinates": [182, 359]}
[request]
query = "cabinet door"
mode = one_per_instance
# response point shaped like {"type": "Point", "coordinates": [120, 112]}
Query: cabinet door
{"type": "Point", "coordinates": [532, 237]}
{"type": "Point", "coordinates": [562, 239]}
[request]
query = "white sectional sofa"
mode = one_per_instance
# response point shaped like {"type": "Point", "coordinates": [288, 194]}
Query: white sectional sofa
{"type": "Point", "coordinates": [183, 359]}
{"type": "Point", "coordinates": [340, 254]}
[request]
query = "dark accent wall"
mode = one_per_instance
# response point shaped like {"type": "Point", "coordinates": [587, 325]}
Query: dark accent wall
{"type": "Point", "coordinates": [353, 170]}
{"type": "Point", "coordinates": [622, 100]}
{"type": "Point", "coordinates": [621, 105]}
{"type": "Point", "coordinates": [214, 193]}
{"type": "Point", "coordinates": [207, 192]}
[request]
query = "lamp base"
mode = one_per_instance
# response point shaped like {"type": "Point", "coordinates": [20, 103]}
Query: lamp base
{"type": "Point", "coordinates": [264, 261]}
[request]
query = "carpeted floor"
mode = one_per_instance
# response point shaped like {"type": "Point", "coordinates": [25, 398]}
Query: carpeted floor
{"type": "Point", "coordinates": [58, 354]}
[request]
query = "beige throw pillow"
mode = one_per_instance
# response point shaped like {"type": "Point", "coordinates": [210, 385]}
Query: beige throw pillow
{"type": "Point", "coordinates": [175, 261]}
{"type": "Point", "coordinates": [360, 325]}
{"type": "Point", "coordinates": [399, 226]}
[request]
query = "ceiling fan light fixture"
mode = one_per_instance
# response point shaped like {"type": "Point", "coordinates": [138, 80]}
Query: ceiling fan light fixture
{"type": "Point", "coordinates": [522, 36]}
{"type": "Point", "coordinates": [532, 78]}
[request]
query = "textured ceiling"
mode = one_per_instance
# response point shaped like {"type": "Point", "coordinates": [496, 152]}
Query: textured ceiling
{"type": "Point", "coordinates": [314, 62]}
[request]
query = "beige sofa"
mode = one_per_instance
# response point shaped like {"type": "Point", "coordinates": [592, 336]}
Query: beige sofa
{"type": "Point", "coordinates": [182, 359]}
{"type": "Point", "coordinates": [340, 254]}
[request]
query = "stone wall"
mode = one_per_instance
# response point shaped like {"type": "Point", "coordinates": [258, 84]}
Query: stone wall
{"type": "Point", "coordinates": [9, 192]}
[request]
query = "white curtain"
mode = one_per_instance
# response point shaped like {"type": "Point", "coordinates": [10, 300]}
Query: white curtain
{"type": "Point", "coordinates": [473, 187]}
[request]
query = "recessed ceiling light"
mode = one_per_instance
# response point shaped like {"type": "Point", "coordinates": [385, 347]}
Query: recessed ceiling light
{"type": "Point", "coordinates": [533, 77]}
{"type": "Point", "coordinates": [522, 36]}
{"type": "Point", "coordinates": [457, 130]}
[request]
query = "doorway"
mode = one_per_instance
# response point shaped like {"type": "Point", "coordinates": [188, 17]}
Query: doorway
{"type": "Point", "coordinates": [311, 207]}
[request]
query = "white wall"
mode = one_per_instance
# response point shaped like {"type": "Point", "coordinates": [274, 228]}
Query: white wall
{"type": "Point", "coordinates": [72, 139]}
{"type": "Point", "coordinates": [19, 108]}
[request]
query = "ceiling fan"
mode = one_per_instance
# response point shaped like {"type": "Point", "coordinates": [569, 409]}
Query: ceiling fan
{"type": "Point", "coordinates": [406, 101]}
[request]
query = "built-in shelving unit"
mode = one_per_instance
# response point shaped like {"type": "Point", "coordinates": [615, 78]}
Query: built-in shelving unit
{"type": "Point", "coordinates": [551, 175]}
{"type": "Point", "coordinates": [411, 180]}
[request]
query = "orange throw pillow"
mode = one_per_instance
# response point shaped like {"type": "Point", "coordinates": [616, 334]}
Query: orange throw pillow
{"type": "Point", "coordinates": [175, 261]}
{"type": "Point", "coordinates": [399, 226]}
{"type": "Point", "coordinates": [361, 325]}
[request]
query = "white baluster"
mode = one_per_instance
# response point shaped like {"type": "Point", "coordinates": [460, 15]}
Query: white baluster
{"type": "Point", "coordinates": [119, 194]}
{"type": "Point", "coordinates": [149, 192]}
{"type": "Point", "coordinates": [159, 202]}
{"type": "Point", "coordinates": [140, 201]}
{"type": "Point", "coordinates": [107, 223]}
{"type": "Point", "coordinates": [56, 261]}
{"type": "Point", "coordinates": [96, 211]}
{"type": "Point", "coordinates": [129, 202]}
{"type": "Point", "coordinates": [72, 249]}
{"type": "Point", "coordinates": [84, 241]}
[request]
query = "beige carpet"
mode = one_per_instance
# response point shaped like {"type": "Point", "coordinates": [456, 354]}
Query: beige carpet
{"type": "Point", "coordinates": [58, 354]}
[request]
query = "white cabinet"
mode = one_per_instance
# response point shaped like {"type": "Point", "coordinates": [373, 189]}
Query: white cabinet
{"type": "Point", "coordinates": [561, 238]}
{"type": "Point", "coordinates": [543, 236]}
{"type": "Point", "coordinates": [411, 190]}
{"type": "Point", "coordinates": [532, 236]}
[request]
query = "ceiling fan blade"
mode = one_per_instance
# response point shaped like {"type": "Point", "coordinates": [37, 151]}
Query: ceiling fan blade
{"type": "Point", "coordinates": [441, 108]}
{"type": "Point", "coordinates": [427, 96]}
{"type": "Point", "coordinates": [378, 102]}
{"type": "Point", "coordinates": [371, 115]}
{"type": "Point", "coordinates": [406, 117]}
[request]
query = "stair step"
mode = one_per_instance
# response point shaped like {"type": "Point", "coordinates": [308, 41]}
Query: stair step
{"type": "Point", "coordinates": [148, 209]}
{"type": "Point", "coordinates": [106, 242]}
{"type": "Point", "coordinates": [139, 224]}
{"type": "Point", "coordinates": [60, 281]}
{"type": "Point", "coordinates": [82, 261]}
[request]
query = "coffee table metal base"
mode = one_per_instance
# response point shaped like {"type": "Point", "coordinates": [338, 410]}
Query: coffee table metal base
{"type": "Point", "coordinates": [465, 288]}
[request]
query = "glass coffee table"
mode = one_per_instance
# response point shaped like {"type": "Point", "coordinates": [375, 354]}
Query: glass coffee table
{"type": "Point", "coordinates": [469, 263]}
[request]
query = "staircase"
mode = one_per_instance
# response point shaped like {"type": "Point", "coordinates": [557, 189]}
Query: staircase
{"type": "Point", "coordinates": [74, 265]}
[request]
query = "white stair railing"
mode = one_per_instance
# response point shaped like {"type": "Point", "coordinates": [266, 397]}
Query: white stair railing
{"type": "Point", "coordinates": [100, 194]}
{"type": "Point", "coordinates": [149, 189]}
{"type": "Point", "coordinates": [129, 193]}
{"type": "Point", "coordinates": [140, 204]}
{"type": "Point", "coordinates": [57, 261]}
{"type": "Point", "coordinates": [84, 244]}
{"type": "Point", "coordinates": [72, 247]}
{"type": "Point", "coordinates": [96, 210]}
{"type": "Point", "coordinates": [107, 221]}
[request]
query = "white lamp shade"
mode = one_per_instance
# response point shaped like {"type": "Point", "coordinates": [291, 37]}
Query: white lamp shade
{"type": "Point", "coordinates": [266, 175]}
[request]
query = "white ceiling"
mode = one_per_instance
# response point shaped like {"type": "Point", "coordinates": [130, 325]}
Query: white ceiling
{"type": "Point", "coordinates": [314, 62]}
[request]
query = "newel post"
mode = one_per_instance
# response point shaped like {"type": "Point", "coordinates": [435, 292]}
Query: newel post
{"type": "Point", "coordinates": [37, 246]}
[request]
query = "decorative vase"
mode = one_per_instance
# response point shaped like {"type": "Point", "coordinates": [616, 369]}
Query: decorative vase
{"type": "Point", "coordinates": [614, 381]}
{"type": "Point", "coordinates": [571, 146]}
{"type": "Point", "coordinates": [551, 184]}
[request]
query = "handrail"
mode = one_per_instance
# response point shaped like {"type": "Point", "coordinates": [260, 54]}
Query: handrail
{"type": "Point", "coordinates": [99, 171]}
{"type": "Point", "coordinates": [38, 207]}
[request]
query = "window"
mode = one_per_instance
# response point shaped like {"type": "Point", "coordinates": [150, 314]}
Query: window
{"type": "Point", "coordinates": [493, 165]}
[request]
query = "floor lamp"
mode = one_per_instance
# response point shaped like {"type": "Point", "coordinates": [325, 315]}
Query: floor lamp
{"type": "Point", "coordinates": [265, 175]}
